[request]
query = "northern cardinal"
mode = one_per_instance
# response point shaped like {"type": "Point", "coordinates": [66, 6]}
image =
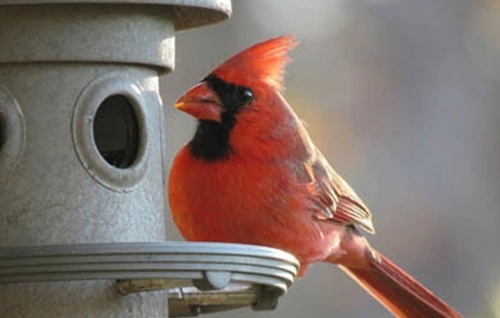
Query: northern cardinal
{"type": "Point", "coordinates": [251, 174]}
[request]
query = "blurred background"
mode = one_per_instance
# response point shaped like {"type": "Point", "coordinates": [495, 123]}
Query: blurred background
{"type": "Point", "coordinates": [403, 98]}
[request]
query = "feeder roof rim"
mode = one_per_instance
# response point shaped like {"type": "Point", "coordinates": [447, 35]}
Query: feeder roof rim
{"type": "Point", "coordinates": [188, 13]}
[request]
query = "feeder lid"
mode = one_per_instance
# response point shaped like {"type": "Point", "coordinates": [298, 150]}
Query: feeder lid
{"type": "Point", "coordinates": [188, 13]}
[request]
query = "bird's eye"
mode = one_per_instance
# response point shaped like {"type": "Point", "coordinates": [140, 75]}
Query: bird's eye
{"type": "Point", "coordinates": [245, 95]}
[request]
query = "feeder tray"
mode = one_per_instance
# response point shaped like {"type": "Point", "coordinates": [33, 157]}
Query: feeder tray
{"type": "Point", "coordinates": [199, 277]}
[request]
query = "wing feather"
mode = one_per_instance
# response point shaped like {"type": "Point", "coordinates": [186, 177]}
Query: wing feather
{"type": "Point", "coordinates": [333, 198]}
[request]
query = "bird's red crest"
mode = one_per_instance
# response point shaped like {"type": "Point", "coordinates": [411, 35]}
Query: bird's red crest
{"type": "Point", "coordinates": [263, 61]}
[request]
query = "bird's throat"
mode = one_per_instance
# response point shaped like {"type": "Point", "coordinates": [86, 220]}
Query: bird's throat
{"type": "Point", "coordinates": [211, 141]}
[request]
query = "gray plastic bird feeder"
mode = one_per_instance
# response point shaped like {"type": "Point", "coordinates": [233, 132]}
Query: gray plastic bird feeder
{"type": "Point", "coordinates": [82, 198]}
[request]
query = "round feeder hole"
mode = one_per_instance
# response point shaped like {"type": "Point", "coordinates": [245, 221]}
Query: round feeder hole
{"type": "Point", "coordinates": [12, 130]}
{"type": "Point", "coordinates": [110, 131]}
{"type": "Point", "coordinates": [116, 131]}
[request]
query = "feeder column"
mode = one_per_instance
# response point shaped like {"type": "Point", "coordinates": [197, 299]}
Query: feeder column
{"type": "Point", "coordinates": [81, 138]}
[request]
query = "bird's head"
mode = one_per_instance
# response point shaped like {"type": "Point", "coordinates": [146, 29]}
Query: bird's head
{"type": "Point", "coordinates": [239, 81]}
{"type": "Point", "coordinates": [242, 94]}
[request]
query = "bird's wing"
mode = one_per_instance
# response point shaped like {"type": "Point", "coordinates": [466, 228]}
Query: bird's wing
{"type": "Point", "coordinates": [333, 198]}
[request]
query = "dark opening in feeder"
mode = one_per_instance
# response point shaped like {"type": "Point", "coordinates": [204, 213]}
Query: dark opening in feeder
{"type": "Point", "coordinates": [116, 131]}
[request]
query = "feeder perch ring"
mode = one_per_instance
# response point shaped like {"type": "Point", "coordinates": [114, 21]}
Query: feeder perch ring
{"type": "Point", "coordinates": [199, 277]}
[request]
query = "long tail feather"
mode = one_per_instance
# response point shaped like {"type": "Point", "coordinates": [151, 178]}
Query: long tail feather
{"type": "Point", "coordinates": [400, 293]}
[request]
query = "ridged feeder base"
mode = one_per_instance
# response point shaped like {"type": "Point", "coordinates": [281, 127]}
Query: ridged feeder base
{"type": "Point", "coordinates": [199, 277]}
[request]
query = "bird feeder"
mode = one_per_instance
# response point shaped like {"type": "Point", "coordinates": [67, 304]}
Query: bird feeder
{"type": "Point", "coordinates": [82, 169]}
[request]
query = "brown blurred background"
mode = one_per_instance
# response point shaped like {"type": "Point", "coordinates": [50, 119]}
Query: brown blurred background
{"type": "Point", "coordinates": [403, 97]}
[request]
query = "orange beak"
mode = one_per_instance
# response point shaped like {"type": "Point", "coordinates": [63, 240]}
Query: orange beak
{"type": "Point", "coordinates": [201, 102]}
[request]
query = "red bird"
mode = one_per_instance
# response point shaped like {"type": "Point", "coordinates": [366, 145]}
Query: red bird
{"type": "Point", "coordinates": [251, 174]}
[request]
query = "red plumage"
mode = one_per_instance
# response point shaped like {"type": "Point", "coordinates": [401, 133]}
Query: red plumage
{"type": "Point", "coordinates": [252, 175]}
